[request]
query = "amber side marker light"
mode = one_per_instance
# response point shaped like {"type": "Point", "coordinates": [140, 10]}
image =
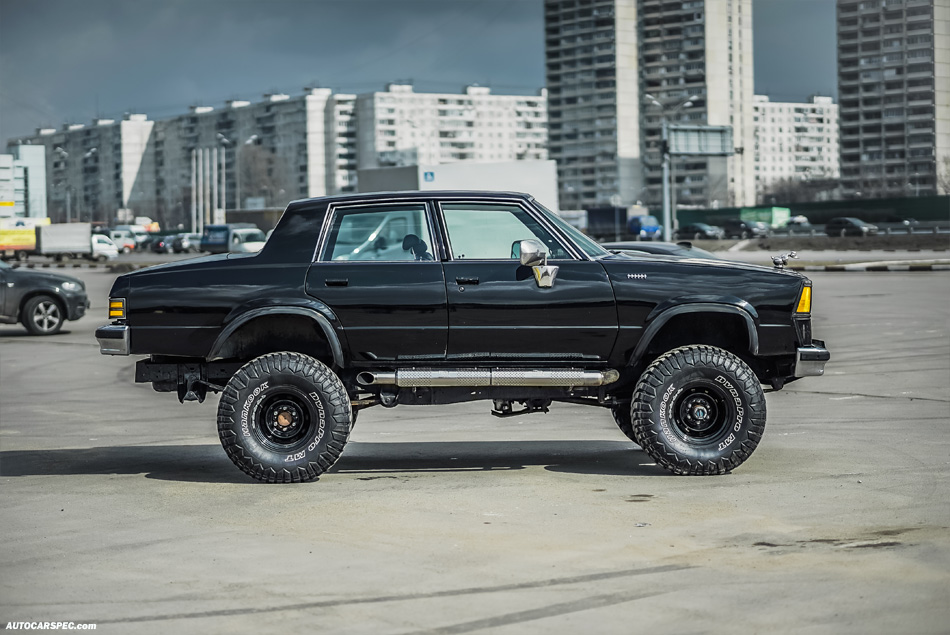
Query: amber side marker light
{"type": "Point", "coordinates": [117, 308]}
{"type": "Point", "coordinates": [804, 301]}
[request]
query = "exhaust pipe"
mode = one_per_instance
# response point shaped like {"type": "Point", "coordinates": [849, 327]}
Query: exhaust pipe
{"type": "Point", "coordinates": [436, 377]}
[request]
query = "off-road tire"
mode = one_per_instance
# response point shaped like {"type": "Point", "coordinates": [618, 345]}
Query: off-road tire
{"type": "Point", "coordinates": [284, 418]}
{"type": "Point", "coordinates": [622, 418]}
{"type": "Point", "coordinates": [42, 315]}
{"type": "Point", "coordinates": [698, 410]}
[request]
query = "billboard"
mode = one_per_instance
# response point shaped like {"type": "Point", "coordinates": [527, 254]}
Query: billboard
{"type": "Point", "coordinates": [700, 140]}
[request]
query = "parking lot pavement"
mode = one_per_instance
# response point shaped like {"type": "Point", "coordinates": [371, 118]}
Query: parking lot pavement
{"type": "Point", "coordinates": [120, 508]}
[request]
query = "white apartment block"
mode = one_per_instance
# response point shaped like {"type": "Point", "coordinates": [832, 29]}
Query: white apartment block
{"type": "Point", "coordinates": [187, 170]}
{"type": "Point", "coordinates": [400, 127]}
{"type": "Point", "coordinates": [23, 182]}
{"type": "Point", "coordinates": [795, 140]}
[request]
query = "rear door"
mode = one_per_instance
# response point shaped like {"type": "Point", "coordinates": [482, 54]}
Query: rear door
{"type": "Point", "coordinates": [376, 270]}
{"type": "Point", "coordinates": [497, 310]}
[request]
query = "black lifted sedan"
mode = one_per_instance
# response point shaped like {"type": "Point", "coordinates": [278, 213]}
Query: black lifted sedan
{"type": "Point", "coordinates": [416, 298]}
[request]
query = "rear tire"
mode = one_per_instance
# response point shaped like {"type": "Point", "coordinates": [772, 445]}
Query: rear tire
{"type": "Point", "coordinates": [622, 418]}
{"type": "Point", "coordinates": [698, 410]}
{"type": "Point", "coordinates": [284, 418]}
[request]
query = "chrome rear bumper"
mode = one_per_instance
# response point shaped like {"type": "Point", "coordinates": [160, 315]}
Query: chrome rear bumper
{"type": "Point", "coordinates": [810, 360]}
{"type": "Point", "coordinates": [113, 339]}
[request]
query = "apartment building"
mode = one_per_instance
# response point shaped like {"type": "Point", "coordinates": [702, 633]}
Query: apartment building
{"type": "Point", "coordinates": [189, 169]}
{"type": "Point", "coordinates": [696, 63]}
{"type": "Point", "coordinates": [894, 95]}
{"type": "Point", "coordinates": [795, 140]}
{"type": "Point", "coordinates": [399, 127]}
{"type": "Point", "coordinates": [23, 182]}
{"type": "Point", "coordinates": [617, 68]}
{"type": "Point", "coordinates": [593, 100]}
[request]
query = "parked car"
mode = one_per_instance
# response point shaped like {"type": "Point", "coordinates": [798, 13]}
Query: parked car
{"type": "Point", "coordinates": [699, 231]}
{"type": "Point", "coordinates": [40, 300]}
{"type": "Point", "coordinates": [646, 226]}
{"type": "Point", "coordinates": [849, 226]}
{"type": "Point", "coordinates": [798, 224]}
{"type": "Point", "coordinates": [162, 244]}
{"type": "Point", "coordinates": [186, 243]}
{"type": "Point", "coordinates": [485, 296]}
{"type": "Point", "coordinates": [737, 228]}
{"type": "Point", "coordinates": [683, 249]}
{"type": "Point", "coordinates": [123, 239]}
{"type": "Point", "coordinates": [232, 237]}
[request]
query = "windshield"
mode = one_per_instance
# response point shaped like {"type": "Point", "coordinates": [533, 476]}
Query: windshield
{"type": "Point", "coordinates": [586, 244]}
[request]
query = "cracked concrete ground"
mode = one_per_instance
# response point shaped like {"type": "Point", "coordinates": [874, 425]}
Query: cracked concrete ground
{"type": "Point", "coordinates": [120, 508]}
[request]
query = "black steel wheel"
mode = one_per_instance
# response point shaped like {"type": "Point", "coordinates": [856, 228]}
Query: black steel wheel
{"type": "Point", "coordinates": [42, 315]}
{"type": "Point", "coordinates": [698, 410]}
{"type": "Point", "coordinates": [284, 418]}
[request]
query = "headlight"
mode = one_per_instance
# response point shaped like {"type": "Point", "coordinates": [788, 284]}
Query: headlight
{"type": "Point", "coordinates": [71, 286]}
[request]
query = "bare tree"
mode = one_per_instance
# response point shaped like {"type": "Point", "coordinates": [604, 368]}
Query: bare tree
{"type": "Point", "coordinates": [264, 174]}
{"type": "Point", "coordinates": [792, 190]}
{"type": "Point", "coordinates": [943, 175]}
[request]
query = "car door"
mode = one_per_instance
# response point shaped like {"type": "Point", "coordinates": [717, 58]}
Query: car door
{"type": "Point", "coordinates": [376, 270]}
{"type": "Point", "coordinates": [3, 289]}
{"type": "Point", "coordinates": [497, 309]}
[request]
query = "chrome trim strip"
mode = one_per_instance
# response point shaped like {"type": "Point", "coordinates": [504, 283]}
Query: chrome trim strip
{"type": "Point", "coordinates": [113, 339]}
{"type": "Point", "coordinates": [469, 377]}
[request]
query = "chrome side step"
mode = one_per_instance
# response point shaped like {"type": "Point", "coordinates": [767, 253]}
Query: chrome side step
{"type": "Point", "coordinates": [439, 377]}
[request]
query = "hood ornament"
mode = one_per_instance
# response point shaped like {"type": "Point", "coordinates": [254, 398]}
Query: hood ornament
{"type": "Point", "coordinates": [782, 260]}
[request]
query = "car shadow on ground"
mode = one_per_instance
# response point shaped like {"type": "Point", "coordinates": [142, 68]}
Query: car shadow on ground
{"type": "Point", "coordinates": [208, 463]}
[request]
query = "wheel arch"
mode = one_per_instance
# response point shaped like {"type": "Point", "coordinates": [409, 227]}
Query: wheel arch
{"type": "Point", "coordinates": [49, 293]}
{"type": "Point", "coordinates": [243, 333]}
{"type": "Point", "coordinates": [661, 324]}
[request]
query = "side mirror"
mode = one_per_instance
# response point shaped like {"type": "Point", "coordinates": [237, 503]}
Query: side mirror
{"type": "Point", "coordinates": [531, 253]}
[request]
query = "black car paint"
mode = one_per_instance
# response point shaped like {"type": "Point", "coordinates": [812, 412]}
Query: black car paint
{"type": "Point", "coordinates": [597, 314]}
{"type": "Point", "coordinates": [17, 285]}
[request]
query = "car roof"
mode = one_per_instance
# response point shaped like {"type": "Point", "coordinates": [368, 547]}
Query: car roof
{"type": "Point", "coordinates": [408, 194]}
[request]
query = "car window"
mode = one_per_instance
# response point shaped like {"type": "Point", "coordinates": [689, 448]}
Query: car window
{"type": "Point", "coordinates": [488, 231]}
{"type": "Point", "coordinates": [386, 232]}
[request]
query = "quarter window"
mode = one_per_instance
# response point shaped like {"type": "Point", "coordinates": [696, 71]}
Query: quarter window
{"type": "Point", "coordinates": [489, 232]}
{"type": "Point", "coordinates": [390, 232]}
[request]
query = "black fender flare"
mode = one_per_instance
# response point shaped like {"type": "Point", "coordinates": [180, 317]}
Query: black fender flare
{"type": "Point", "coordinates": [660, 320]}
{"type": "Point", "coordinates": [333, 340]}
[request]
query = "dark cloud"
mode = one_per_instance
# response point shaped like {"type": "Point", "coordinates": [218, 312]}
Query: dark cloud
{"type": "Point", "coordinates": [63, 60]}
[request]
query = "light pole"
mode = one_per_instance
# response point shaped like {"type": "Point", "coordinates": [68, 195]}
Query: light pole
{"type": "Point", "coordinates": [237, 161]}
{"type": "Point", "coordinates": [224, 166]}
{"type": "Point", "coordinates": [59, 150]}
{"type": "Point", "coordinates": [665, 148]}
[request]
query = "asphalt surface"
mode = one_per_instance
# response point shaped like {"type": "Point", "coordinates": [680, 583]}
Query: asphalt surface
{"type": "Point", "coordinates": [120, 508]}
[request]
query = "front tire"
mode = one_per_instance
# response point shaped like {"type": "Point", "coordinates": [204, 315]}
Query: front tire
{"type": "Point", "coordinates": [698, 410]}
{"type": "Point", "coordinates": [284, 418]}
{"type": "Point", "coordinates": [42, 315]}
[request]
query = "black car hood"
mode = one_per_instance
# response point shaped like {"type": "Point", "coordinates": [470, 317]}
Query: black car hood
{"type": "Point", "coordinates": [49, 277]}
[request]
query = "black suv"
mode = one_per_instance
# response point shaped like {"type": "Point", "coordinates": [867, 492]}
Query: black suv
{"type": "Point", "coordinates": [419, 298]}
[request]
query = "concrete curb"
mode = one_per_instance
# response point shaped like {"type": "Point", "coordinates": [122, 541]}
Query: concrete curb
{"type": "Point", "coordinates": [60, 265]}
{"type": "Point", "coordinates": [889, 265]}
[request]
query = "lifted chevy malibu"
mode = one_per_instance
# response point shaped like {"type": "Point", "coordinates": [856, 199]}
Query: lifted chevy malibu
{"type": "Point", "coordinates": [419, 298]}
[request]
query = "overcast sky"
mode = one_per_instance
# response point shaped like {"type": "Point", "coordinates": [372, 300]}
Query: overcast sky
{"type": "Point", "coordinates": [71, 60]}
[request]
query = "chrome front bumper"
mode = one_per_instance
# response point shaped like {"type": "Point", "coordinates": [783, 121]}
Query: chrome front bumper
{"type": "Point", "coordinates": [810, 360]}
{"type": "Point", "coordinates": [113, 339]}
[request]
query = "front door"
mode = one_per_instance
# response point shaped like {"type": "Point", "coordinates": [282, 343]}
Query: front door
{"type": "Point", "coordinates": [498, 312]}
{"type": "Point", "coordinates": [376, 271]}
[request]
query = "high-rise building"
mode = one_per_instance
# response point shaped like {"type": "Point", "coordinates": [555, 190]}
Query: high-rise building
{"type": "Point", "coordinates": [402, 127]}
{"type": "Point", "coordinates": [617, 68]}
{"type": "Point", "coordinates": [894, 95]}
{"type": "Point", "coordinates": [593, 100]}
{"type": "Point", "coordinates": [795, 140]}
{"type": "Point", "coordinates": [696, 62]}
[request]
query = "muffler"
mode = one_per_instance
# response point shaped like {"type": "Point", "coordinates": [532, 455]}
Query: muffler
{"type": "Point", "coordinates": [437, 377]}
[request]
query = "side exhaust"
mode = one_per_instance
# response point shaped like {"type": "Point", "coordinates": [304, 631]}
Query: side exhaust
{"type": "Point", "coordinates": [437, 377]}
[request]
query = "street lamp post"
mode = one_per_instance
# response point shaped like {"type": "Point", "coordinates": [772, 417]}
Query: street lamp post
{"type": "Point", "coordinates": [665, 148]}
{"type": "Point", "coordinates": [65, 156]}
{"type": "Point", "coordinates": [224, 166]}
